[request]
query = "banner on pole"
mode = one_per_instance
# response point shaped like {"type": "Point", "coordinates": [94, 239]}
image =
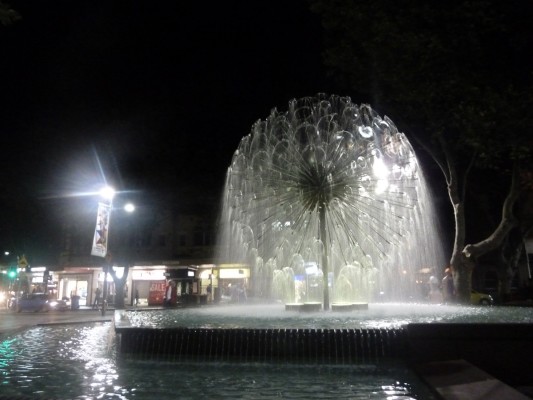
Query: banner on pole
{"type": "Point", "coordinates": [101, 232]}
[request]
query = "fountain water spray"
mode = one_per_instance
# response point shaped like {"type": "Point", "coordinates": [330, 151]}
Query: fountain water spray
{"type": "Point", "coordinates": [327, 199]}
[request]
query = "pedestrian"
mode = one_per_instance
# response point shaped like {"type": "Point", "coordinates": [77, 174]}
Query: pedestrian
{"type": "Point", "coordinates": [170, 294]}
{"type": "Point", "coordinates": [97, 294]}
{"type": "Point", "coordinates": [448, 288]}
{"type": "Point", "coordinates": [209, 290]}
{"type": "Point", "coordinates": [136, 296]}
{"type": "Point", "coordinates": [435, 294]}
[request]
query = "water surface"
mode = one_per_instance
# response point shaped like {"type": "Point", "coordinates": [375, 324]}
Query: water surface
{"type": "Point", "coordinates": [274, 316]}
{"type": "Point", "coordinates": [80, 362]}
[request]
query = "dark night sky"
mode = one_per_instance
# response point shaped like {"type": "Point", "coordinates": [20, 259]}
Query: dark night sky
{"type": "Point", "coordinates": [160, 92]}
{"type": "Point", "coordinates": [166, 86]}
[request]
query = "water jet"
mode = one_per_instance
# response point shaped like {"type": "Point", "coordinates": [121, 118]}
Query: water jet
{"type": "Point", "coordinates": [330, 195]}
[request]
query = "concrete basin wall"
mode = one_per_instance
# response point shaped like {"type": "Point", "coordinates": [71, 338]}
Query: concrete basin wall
{"type": "Point", "coordinates": [309, 346]}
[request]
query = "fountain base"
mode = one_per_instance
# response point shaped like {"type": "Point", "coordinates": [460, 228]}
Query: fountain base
{"type": "Point", "coordinates": [349, 306]}
{"type": "Point", "coordinates": [293, 306]}
{"type": "Point", "coordinates": [306, 346]}
{"type": "Point", "coordinates": [317, 306]}
{"type": "Point", "coordinates": [304, 307]}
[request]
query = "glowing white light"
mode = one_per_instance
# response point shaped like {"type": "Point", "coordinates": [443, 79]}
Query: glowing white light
{"type": "Point", "coordinates": [107, 192]}
{"type": "Point", "coordinates": [382, 173]}
{"type": "Point", "coordinates": [381, 186]}
{"type": "Point", "coordinates": [119, 271]}
{"type": "Point", "coordinates": [365, 131]}
{"type": "Point", "coordinates": [129, 207]}
{"type": "Point", "coordinates": [380, 169]}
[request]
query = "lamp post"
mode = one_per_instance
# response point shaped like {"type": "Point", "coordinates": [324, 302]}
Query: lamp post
{"type": "Point", "coordinates": [101, 236]}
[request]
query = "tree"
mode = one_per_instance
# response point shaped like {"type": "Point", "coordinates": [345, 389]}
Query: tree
{"type": "Point", "coordinates": [120, 284]}
{"type": "Point", "coordinates": [453, 74]}
{"type": "Point", "coordinates": [8, 16]}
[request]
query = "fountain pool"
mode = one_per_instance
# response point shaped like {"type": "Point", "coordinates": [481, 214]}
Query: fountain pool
{"type": "Point", "coordinates": [384, 333]}
{"type": "Point", "coordinates": [274, 316]}
{"type": "Point", "coordinates": [75, 361]}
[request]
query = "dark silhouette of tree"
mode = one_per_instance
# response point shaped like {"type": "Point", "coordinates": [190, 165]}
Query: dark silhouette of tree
{"type": "Point", "coordinates": [8, 16]}
{"type": "Point", "coordinates": [455, 77]}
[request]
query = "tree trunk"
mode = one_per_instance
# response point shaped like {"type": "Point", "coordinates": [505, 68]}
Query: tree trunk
{"type": "Point", "coordinates": [462, 278]}
{"type": "Point", "coordinates": [507, 262]}
{"type": "Point", "coordinates": [120, 283]}
{"type": "Point", "coordinates": [472, 252]}
{"type": "Point", "coordinates": [461, 267]}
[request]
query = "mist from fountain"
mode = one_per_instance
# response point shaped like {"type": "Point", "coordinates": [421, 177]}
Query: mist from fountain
{"type": "Point", "coordinates": [329, 189]}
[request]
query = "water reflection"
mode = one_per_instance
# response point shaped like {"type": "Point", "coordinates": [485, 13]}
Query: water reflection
{"type": "Point", "coordinates": [80, 362]}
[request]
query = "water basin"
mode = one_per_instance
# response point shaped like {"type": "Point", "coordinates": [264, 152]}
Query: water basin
{"type": "Point", "coordinates": [74, 361]}
{"type": "Point", "coordinates": [274, 316]}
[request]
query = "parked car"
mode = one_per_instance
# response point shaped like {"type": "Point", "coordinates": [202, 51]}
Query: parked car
{"type": "Point", "coordinates": [33, 302]}
{"type": "Point", "coordinates": [481, 298]}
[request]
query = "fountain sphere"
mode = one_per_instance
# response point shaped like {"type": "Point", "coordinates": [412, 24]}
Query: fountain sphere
{"type": "Point", "coordinates": [327, 200]}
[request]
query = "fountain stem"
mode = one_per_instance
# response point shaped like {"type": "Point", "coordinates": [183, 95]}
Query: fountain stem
{"type": "Point", "coordinates": [322, 238]}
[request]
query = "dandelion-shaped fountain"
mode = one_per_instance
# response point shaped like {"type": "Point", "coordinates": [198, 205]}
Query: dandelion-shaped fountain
{"type": "Point", "coordinates": [327, 200]}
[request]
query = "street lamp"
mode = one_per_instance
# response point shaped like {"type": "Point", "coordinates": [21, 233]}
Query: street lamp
{"type": "Point", "coordinates": [101, 234]}
{"type": "Point", "coordinates": [129, 207]}
{"type": "Point", "coordinates": [108, 193]}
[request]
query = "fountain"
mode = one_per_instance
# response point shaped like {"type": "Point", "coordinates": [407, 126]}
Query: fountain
{"type": "Point", "coordinates": [331, 194]}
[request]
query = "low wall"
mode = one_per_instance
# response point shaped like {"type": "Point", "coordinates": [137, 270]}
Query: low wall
{"type": "Point", "coordinates": [322, 346]}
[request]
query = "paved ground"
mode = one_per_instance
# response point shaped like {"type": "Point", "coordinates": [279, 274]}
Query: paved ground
{"type": "Point", "coordinates": [11, 321]}
{"type": "Point", "coordinates": [460, 380]}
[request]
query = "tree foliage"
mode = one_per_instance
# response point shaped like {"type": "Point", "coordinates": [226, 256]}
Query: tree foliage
{"type": "Point", "coordinates": [455, 76]}
{"type": "Point", "coordinates": [8, 16]}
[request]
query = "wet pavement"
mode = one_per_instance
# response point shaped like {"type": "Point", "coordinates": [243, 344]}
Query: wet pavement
{"type": "Point", "coordinates": [12, 321]}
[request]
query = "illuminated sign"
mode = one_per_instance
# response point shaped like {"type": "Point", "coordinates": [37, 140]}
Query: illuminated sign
{"type": "Point", "coordinates": [153, 275]}
{"type": "Point", "coordinates": [233, 273]}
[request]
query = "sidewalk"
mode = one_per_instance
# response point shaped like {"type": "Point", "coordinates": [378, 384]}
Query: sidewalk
{"type": "Point", "coordinates": [12, 321]}
{"type": "Point", "coordinates": [459, 379]}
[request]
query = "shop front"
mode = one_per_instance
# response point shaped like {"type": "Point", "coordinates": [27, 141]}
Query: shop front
{"type": "Point", "coordinates": [75, 286]}
{"type": "Point", "coordinates": [183, 286]}
{"type": "Point", "coordinates": [233, 283]}
{"type": "Point", "coordinates": [148, 286]}
{"type": "Point", "coordinates": [208, 281]}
